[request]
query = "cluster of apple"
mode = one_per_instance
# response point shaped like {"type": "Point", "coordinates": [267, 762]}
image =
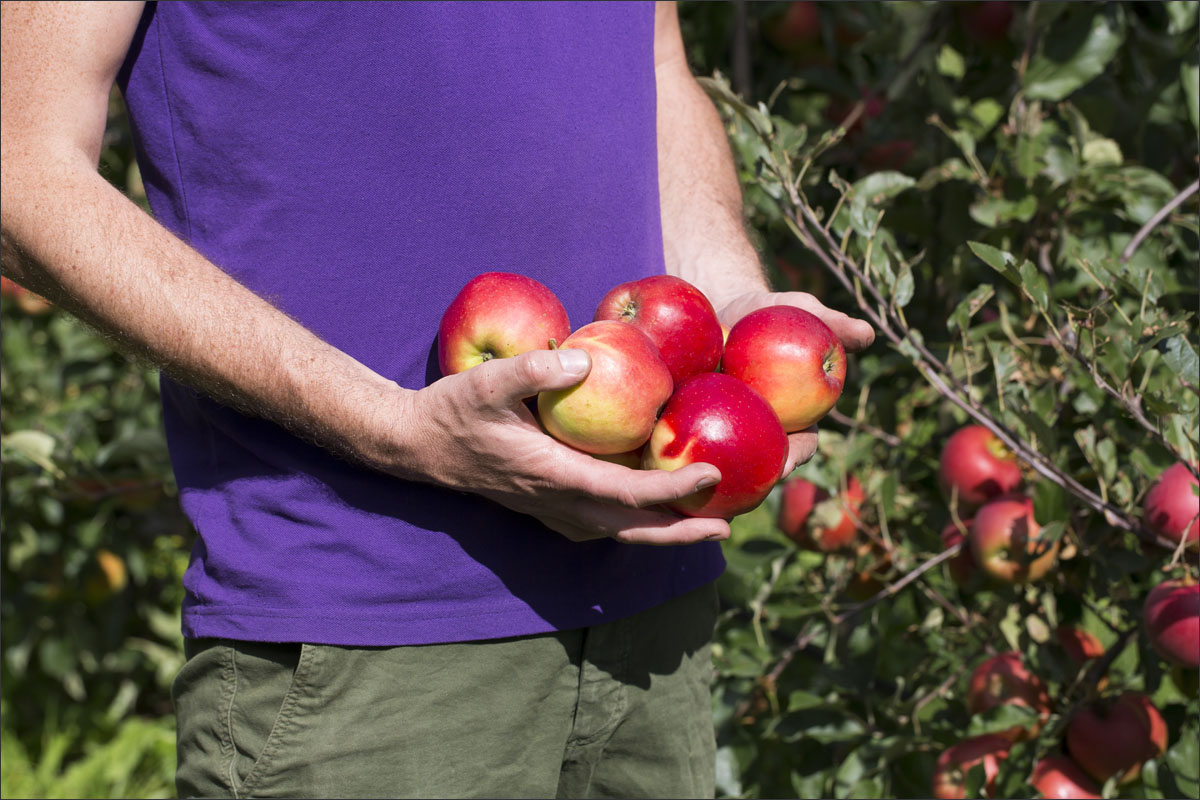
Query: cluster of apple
{"type": "Point", "coordinates": [1112, 736]}
{"type": "Point", "coordinates": [654, 397]}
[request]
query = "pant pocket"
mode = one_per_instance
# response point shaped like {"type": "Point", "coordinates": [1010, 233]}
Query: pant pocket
{"type": "Point", "coordinates": [271, 685]}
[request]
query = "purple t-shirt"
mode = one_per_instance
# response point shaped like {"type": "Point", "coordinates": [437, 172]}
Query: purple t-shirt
{"type": "Point", "coordinates": [356, 164]}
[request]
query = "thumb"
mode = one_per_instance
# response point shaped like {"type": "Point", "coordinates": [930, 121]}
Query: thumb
{"type": "Point", "coordinates": [504, 382]}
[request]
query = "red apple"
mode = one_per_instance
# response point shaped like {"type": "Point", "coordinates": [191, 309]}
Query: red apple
{"type": "Point", "coordinates": [963, 568]}
{"type": "Point", "coordinates": [1006, 541]}
{"type": "Point", "coordinates": [719, 420]}
{"type": "Point", "coordinates": [498, 315]}
{"type": "Point", "coordinates": [797, 33]}
{"type": "Point", "coordinates": [889, 155]}
{"type": "Point", "coordinates": [675, 315]}
{"type": "Point", "coordinates": [1172, 505]}
{"type": "Point", "coordinates": [1005, 680]}
{"type": "Point", "coordinates": [1172, 620]}
{"type": "Point", "coordinates": [950, 774]}
{"type": "Point", "coordinates": [978, 465]}
{"type": "Point", "coordinates": [791, 358]}
{"type": "Point", "coordinates": [987, 22]}
{"type": "Point", "coordinates": [614, 408]}
{"type": "Point", "coordinates": [1060, 778]}
{"type": "Point", "coordinates": [799, 499]}
{"type": "Point", "coordinates": [1115, 737]}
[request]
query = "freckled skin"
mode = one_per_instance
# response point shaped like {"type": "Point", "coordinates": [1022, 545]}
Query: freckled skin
{"type": "Point", "coordinates": [613, 410]}
{"type": "Point", "coordinates": [498, 315]}
{"type": "Point", "coordinates": [676, 316]}
{"type": "Point", "coordinates": [791, 358]}
{"type": "Point", "coordinates": [716, 419]}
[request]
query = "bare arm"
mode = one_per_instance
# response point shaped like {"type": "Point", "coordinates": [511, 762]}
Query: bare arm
{"type": "Point", "coordinates": [66, 233]}
{"type": "Point", "coordinates": [704, 240]}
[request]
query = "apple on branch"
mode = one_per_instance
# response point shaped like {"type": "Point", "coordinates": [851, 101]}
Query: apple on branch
{"type": "Point", "coordinates": [977, 465]}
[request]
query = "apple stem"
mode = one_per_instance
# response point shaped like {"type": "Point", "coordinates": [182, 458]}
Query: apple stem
{"type": "Point", "coordinates": [553, 344]}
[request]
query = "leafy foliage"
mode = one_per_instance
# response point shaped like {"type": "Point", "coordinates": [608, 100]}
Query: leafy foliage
{"type": "Point", "coordinates": [980, 205]}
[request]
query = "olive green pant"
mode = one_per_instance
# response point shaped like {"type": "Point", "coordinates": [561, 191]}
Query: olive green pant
{"type": "Point", "coordinates": [621, 709]}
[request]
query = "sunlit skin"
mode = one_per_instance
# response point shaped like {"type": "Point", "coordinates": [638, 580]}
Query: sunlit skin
{"type": "Point", "coordinates": [1005, 680]}
{"type": "Point", "coordinates": [1115, 737]}
{"type": "Point", "coordinates": [614, 408]}
{"type": "Point", "coordinates": [791, 358]}
{"type": "Point", "coordinates": [950, 774]}
{"type": "Point", "coordinates": [798, 500]}
{"type": "Point", "coordinates": [716, 419]}
{"type": "Point", "coordinates": [977, 466]}
{"type": "Point", "coordinates": [1171, 620]}
{"type": "Point", "coordinates": [498, 315]}
{"type": "Point", "coordinates": [1172, 506]}
{"type": "Point", "coordinates": [676, 316]}
{"type": "Point", "coordinates": [1060, 778]}
{"type": "Point", "coordinates": [1006, 541]}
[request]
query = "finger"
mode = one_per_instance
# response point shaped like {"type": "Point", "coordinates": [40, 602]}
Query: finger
{"type": "Point", "coordinates": [802, 445]}
{"type": "Point", "coordinates": [636, 526]}
{"type": "Point", "coordinates": [633, 488]}
{"type": "Point", "coordinates": [504, 382]}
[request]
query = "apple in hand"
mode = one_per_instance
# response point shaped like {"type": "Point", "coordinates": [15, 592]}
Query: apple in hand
{"type": "Point", "coordinates": [1171, 618]}
{"type": "Point", "coordinates": [675, 315]}
{"type": "Point", "coordinates": [1006, 541]}
{"type": "Point", "coordinates": [1172, 505]}
{"type": "Point", "coordinates": [801, 497]}
{"type": "Point", "coordinates": [950, 774]}
{"type": "Point", "coordinates": [1115, 737]}
{"type": "Point", "coordinates": [1060, 778]}
{"type": "Point", "coordinates": [791, 358]}
{"type": "Point", "coordinates": [715, 419]}
{"type": "Point", "coordinates": [498, 315]}
{"type": "Point", "coordinates": [1005, 680]}
{"type": "Point", "coordinates": [614, 408]}
{"type": "Point", "coordinates": [978, 465]}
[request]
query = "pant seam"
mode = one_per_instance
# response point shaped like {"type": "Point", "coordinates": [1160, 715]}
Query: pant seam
{"type": "Point", "coordinates": [230, 770]}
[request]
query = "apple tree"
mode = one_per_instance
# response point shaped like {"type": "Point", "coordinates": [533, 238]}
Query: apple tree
{"type": "Point", "coordinates": [1008, 192]}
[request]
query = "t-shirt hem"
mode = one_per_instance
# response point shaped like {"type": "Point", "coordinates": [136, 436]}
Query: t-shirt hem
{"type": "Point", "coordinates": [401, 627]}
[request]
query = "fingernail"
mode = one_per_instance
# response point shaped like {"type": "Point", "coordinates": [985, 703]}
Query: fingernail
{"type": "Point", "coordinates": [574, 362]}
{"type": "Point", "coordinates": [706, 483]}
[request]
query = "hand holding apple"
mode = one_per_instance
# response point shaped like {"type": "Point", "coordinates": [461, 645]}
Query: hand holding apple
{"type": "Point", "coordinates": [472, 432]}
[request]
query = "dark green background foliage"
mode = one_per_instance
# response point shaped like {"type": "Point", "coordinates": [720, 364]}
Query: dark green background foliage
{"type": "Point", "coordinates": [986, 194]}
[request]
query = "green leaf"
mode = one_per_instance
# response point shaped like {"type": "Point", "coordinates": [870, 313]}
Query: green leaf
{"type": "Point", "coordinates": [1184, 761]}
{"type": "Point", "coordinates": [1076, 56]}
{"type": "Point", "coordinates": [999, 260]}
{"type": "Point", "coordinates": [1002, 718]}
{"type": "Point", "coordinates": [960, 318]}
{"type": "Point", "coordinates": [1102, 152]}
{"type": "Point", "coordinates": [993, 211]}
{"type": "Point", "coordinates": [902, 289]}
{"type": "Point", "coordinates": [1182, 16]}
{"type": "Point", "coordinates": [1034, 284]}
{"type": "Point", "coordinates": [1189, 77]}
{"type": "Point", "coordinates": [950, 63]}
{"type": "Point", "coordinates": [1181, 358]}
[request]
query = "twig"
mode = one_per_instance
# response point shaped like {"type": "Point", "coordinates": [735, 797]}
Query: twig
{"type": "Point", "coordinates": [878, 433]}
{"type": "Point", "coordinates": [1153, 222]}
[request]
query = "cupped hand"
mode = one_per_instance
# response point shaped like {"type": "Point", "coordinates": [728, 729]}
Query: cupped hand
{"type": "Point", "coordinates": [472, 432]}
{"type": "Point", "coordinates": [856, 334]}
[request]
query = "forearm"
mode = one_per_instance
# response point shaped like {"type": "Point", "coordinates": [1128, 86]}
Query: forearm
{"type": "Point", "coordinates": [75, 239]}
{"type": "Point", "coordinates": [704, 239]}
